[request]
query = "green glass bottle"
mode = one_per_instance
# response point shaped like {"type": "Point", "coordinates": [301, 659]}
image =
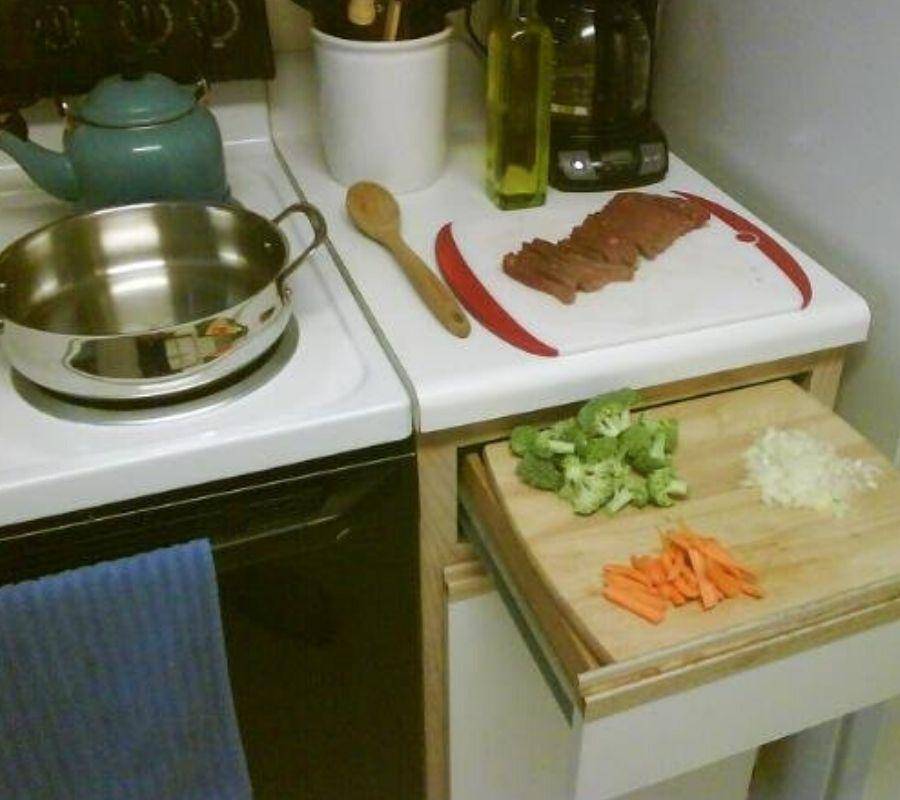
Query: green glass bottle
{"type": "Point", "coordinates": [520, 82]}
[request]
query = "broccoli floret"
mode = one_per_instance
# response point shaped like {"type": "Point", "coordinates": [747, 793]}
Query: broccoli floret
{"type": "Point", "coordinates": [609, 414]}
{"type": "Point", "coordinates": [544, 443]}
{"type": "Point", "coordinates": [669, 427]}
{"type": "Point", "coordinates": [541, 473]}
{"type": "Point", "coordinates": [589, 494]}
{"type": "Point", "coordinates": [568, 430]}
{"type": "Point", "coordinates": [600, 448]}
{"type": "Point", "coordinates": [632, 489]}
{"type": "Point", "coordinates": [585, 486]}
{"type": "Point", "coordinates": [663, 484]}
{"type": "Point", "coordinates": [651, 457]}
{"type": "Point", "coordinates": [522, 438]}
{"type": "Point", "coordinates": [548, 444]}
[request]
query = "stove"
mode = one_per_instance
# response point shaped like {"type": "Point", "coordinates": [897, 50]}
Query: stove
{"type": "Point", "coordinates": [326, 388]}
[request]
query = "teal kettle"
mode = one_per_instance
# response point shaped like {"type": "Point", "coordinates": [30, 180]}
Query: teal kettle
{"type": "Point", "coordinates": [134, 138]}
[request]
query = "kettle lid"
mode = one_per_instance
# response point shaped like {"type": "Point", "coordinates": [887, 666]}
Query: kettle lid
{"type": "Point", "coordinates": [130, 100]}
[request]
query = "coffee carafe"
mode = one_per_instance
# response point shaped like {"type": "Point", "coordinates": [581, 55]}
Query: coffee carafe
{"type": "Point", "coordinates": [603, 136]}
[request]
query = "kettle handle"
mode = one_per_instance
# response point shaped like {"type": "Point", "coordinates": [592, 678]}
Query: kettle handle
{"type": "Point", "coordinates": [201, 90]}
{"type": "Point", "coordinates": [320, 234]}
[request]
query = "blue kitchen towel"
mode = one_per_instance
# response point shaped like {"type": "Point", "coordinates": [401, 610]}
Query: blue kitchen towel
{"type": "Point", "coordinates": [114, 684]}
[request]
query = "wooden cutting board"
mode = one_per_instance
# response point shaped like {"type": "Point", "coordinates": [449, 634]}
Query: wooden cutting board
{"type": "Point", "coordinates": [810, 564]}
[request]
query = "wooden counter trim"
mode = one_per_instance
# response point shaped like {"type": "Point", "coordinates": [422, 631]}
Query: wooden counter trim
{"type": "Point", "coordinates": [612, 701]}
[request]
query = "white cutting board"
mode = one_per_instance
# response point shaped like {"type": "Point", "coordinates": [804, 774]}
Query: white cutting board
{"type": "Point", "coordinates": [707, 278]}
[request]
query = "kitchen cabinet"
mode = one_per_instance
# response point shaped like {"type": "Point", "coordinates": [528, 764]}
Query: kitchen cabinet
{"type": "Point", "coordinates": [759, 675]}
{"type": "Point", "coordinates": [508, 738]}
{"type": "Point", "coordinates": [440, 455]}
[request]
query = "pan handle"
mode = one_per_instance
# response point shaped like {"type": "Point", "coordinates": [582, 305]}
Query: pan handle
{"type": "Point", "coordinates": [320, 233]}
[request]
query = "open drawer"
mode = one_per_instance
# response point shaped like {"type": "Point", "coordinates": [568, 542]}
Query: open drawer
{"type": "Point", "coordinates": [655, 701]}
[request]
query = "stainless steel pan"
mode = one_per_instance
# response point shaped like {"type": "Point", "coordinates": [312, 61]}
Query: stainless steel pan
{"type": "Point", "coordinates": [149, 300]}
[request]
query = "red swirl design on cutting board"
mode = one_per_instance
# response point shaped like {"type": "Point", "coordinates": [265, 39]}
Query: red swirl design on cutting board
{"type": "Point", "coordinates": [479, 301]}
{"type": "Point", "coordinates": [749, 233]}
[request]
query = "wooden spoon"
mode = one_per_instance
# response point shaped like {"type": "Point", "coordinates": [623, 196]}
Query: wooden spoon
{"type": "Point", "coordinates": [392, 21]}
{"type": "Point", "coordinates": [375, 212]}
{"type": "Point", "coordinates": [361, 12]}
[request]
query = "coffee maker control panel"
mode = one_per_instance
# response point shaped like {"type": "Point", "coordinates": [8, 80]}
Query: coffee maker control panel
{"type": "Point", "coordinates": [56, 47]}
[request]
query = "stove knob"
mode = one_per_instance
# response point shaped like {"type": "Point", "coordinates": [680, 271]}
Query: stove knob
{"type": "Point", "coordinates": [145, 22]}
{"type": "Point", "coordinates": [56, 28]}
{"type": "Point", "coordinates": [216, 20]}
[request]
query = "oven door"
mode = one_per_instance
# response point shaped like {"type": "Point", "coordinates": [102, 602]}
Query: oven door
{"type": "Point", "coordinates": [318, 581]}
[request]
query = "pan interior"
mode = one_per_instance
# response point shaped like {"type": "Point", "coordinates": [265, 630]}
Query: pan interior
{"type": "Point", "coordinates": [138, 269]}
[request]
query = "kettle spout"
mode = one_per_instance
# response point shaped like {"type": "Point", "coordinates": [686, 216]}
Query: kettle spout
{"type": "Point", "coordinates": [51, 171]}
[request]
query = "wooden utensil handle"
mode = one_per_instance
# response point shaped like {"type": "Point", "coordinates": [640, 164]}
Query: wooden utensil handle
{"type": "Point", "coordinates": [432, 291]}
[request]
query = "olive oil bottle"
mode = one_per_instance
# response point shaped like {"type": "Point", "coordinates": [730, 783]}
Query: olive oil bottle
{"type": "Point", "coordinates": [520, 81]}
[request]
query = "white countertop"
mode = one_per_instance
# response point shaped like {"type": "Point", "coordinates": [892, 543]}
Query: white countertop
{"type": "Point", "coordinates": [456, 382]}
{"type": "Point", "coordinates": [337, 393]}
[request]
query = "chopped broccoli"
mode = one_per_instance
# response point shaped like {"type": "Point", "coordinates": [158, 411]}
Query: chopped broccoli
{"type": "Point", "coordinates": [544, 443]}
{"type": "Point", "coordinates": [521, 440]}
{"type": "Point", "coordinates": [609, 414]}
{"type": "Point", "coordinates": [632, 489]}
{"type": "Point", "coordinates": [586, 487]}
{"type": "Point", "coordinates": [599, 448]}
{"type": "Point", "coordinates": [568, 430]}
{"type": "Point", "coordinates": [589, 494]}
{"type": "Point", "coordinates": [548, 444]}
{"type": "Point", "coordinates": [540, 472]}
{"type": "Point", "coordinates": [652, 457]}
{"type": "Point", "coordinates": [670, 428]}
{"type": "Point", "coordinates": [663, 484]}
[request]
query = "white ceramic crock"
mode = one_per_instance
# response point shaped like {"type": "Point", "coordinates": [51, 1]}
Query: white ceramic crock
{"type": "Point", "coordinates": [383, 109]}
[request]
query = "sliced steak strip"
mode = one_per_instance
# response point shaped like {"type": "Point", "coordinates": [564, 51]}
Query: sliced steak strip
{"type": "Point", "coordinates": [607, 243]}
{"type": "Point", "coordinates": [653, 226]}
{"type": "Point", "coordinates": [533, 271]}
{"type": "Point", "coordinates": [588, 277]}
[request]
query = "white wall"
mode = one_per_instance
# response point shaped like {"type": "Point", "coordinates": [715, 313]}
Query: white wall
{"type": "Point", "coordinates": [794, 106]}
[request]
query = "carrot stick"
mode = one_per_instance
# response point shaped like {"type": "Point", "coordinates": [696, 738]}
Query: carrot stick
{"type": "Point", "coordinates": [723, 581]}
{"type": "Point", "coordinates": [635, 605]}
{"type": "Point", "coordinates": [629, 572]}
{"type": "Point", "coordinates": [683, 586]}
{"type": "Point", "coordinates": [709, 595]}
{"type": "Point", "coordinates": [713, 549]}
{"type": "Point", "coordinates": [671, 593]}
{"type": "Point", "coordinates": [752, 590]}
{"type": "Point", "coordinates": [670, 562]}
{"type": "Point", "coordinates": [628, 585]}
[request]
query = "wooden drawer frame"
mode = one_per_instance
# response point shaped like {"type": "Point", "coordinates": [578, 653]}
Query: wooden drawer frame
{"type": "Point", "coordinates": [439, 458]}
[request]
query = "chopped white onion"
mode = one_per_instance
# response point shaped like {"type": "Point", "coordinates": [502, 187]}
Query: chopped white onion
{"type": "Point", "coordinates": [796, 470]}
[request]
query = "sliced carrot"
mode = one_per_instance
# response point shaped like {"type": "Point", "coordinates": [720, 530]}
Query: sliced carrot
{"type": "Point", "coordinates": [752, 590]}
{"type": "Point", "coordinates": [629, 572]}
{"type": "Point", "coordinates": [671, 593]}
{"type": "Point", "coordinates": [651, 595]}
{"type": "Point", "coordinates": [631, 603]}
{"type": "Point", "coordinates": [687, 589]}
{"type": "Point", "coordinates": [709, 595]}
{"type": "Point", "coordinates": [729, 585]}
{"type": "Point", "coordinates": [714, 550]}
{"type": "Point", "coordinates": [671, 563]}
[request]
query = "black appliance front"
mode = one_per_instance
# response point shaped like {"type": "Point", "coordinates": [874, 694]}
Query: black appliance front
{"type": "Point", "coordinates": [603, 134]}
{"type": "Point", "coordinates": [318, 576]}
{"type": "Point", "coordinates": [57, 47]}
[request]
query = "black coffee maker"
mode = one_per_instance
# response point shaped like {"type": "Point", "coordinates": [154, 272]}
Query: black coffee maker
{"type": "Point", "coordinates": [603, 136]}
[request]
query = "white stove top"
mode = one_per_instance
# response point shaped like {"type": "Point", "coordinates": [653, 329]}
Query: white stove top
{"type": "Point", "coordinates": [335, 392]}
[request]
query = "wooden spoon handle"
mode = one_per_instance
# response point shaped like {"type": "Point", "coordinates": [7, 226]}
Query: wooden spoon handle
{"type": "Point", "coordinates": [434, 294]}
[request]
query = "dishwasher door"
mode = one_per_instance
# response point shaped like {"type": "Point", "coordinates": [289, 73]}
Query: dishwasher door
{"type": "Point", "coordinates": [318, 577]}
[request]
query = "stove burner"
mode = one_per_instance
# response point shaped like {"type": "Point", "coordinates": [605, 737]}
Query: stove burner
{"type": "Point", "coordinates": [132, 412]}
